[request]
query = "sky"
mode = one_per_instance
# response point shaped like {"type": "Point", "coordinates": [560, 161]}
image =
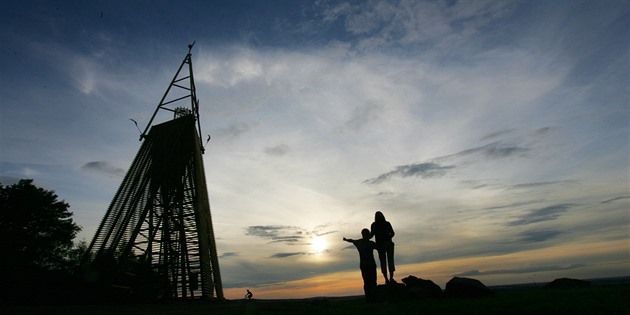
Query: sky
{"type": "Point", "coordinates": [493, 135]}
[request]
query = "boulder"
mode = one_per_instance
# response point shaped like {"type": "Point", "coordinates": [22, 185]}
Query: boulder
{"type": "Point", "coordinates": [466, 288]}
{"type": "Point", "coordinates": [567, 283]}
{"type": "Point", "coordinates": [391, 292]}
{"type": "Point", "coordinates": [420, 288]}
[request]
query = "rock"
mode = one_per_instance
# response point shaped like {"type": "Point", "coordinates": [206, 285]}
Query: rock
{"type": "Point", "coordinates": [391, 292]}
{"type": "Point", "coordinates": [567, 283]}
{"type": "Point", "coordinates": [466, 288]}
{"type": "Point", "coordinates": [420, 288]}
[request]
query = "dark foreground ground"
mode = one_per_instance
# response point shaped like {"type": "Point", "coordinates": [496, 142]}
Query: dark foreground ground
{"type": "Point", "coordinates": [598, 299]}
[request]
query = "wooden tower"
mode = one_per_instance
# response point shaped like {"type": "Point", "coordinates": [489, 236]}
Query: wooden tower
{"type": "Point", "coordinates": [156, 239]}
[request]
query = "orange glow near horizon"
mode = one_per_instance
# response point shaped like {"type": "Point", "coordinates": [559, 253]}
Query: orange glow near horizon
{"type": "Point", "coordinates": [333, 284]}
{"type": "Point", "coordinates": [348, 283]}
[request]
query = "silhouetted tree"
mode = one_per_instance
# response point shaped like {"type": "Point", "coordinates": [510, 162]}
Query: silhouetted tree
{"type": "Point", "coordinates": [37, 257]}
{"type": "Point", "coordinates": [36, 230]}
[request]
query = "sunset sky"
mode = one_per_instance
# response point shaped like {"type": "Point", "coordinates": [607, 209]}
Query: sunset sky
{"type": "Point", "coordinates": [493, 135]}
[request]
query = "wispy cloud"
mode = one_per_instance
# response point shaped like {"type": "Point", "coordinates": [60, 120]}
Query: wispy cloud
{"type": "Point", "coordinates": [290, 235]}
{"type": "Point", "coordinates": [235, 130]}
{"type": "Point", "coordinates": [292, 254]}
{"type": "Point", "coordinates": [386, 24]}
{"type": "Point", "coordinates": [495, 150]}
{"type": "Point", "coordinates": [236, 67]}
{"type": "Point", "coordinates": [285, 255]}
{"type": "Point", "coordinates": [277, 233]}
{"type": "Point", "coordinates": [497, 134]}
{"type": "Point", "coordinates": [422, 170]}
{"type": "Point", "coordinates": [103, 167]}
{"type": "Point", "coordinates": [513, 205]}
{"type": "Point", "coordinates": [279, 150]}
{"type": "Point", "coordinates": [228, 254]}
{"type": "Point", "coordinates": [471, 273]}
{"type": "Point", "coordinates": [544, 214]}
{"type": "Point", "coordinates": [433, 169]}
{"type": "Point", "coordinates": [536, 236]}
{"type": "Point", "coordinates": [324, 229]}
{"type": "Point", "coordinates": [363, 115]}
{"type": "Point", "coordinates": [441, 165]}
{"type": "Point", "coordinates": [616, 199]}
{"type": "Point", "coordinates": [542, 184]}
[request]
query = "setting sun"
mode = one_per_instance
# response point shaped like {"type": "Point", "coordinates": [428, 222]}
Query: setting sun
{"type": "Point", "coordinates": [318, 244]}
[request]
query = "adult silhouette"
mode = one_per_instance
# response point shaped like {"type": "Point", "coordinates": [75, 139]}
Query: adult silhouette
{"type": "Point", "coordinates": [384, 232]}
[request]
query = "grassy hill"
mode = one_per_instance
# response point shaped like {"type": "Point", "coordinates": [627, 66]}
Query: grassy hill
{"type": "Point", "coordinates": [598, 299]}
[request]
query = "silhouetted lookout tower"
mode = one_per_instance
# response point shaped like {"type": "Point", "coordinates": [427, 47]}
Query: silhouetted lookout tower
{"type": "Point", "coordinates": [156, 239]}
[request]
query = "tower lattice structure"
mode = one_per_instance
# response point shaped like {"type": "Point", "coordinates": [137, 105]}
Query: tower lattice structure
{"type": "Point", "coordinates": [156, 239]}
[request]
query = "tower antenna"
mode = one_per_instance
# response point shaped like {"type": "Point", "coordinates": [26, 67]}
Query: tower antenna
{"type": "Point", "coordinates": [181, 88]}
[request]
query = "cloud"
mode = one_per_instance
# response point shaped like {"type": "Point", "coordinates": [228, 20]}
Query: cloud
{"type": "Point", "coordinates": [103, 168]}
{"type": "Point", "coordinates": [235, 130]}
{"type": "Point", "coordinates": [386, 24]}
{"type": "Point", "coordinates": [502, 151]}
{"type": "Point", "coordinates": [501, 148]}
{"type": "Point", "coordinates": [476, 184]}
{"type": "Point", "coordinates": [90, 71]}
{"type": "Point", "coordinates": [228, 254]}
{"type": "Point", "coordinates": [278, 150]}
{"type": "Point", "coordinates": [518, 271]}
{"type": "Point", "coordinates": [238, 66]}
{"type": "Point", "coordinates": [285, 255]}
{"type": "Point", "coordinates": [616, 199]}
{"type": "Point", "coordinates": [543, 131]}
{"type": "Point", "coordinates": [325, 233]}
{"type": "Point", "coordinates": [323, 229]}
{"type": "Point", "coordinates": [362, 115]}
{"type": "Point", "coordinates": [544, 214]}
{"type": "Point", "coordinates": [423, 170]}
{"type": "Point", "coordinates": [513, 205]}
{"type": "Point", "coordinates": [286, 239]}
{"type": "Point", "coordinates": [291, 254]}
{"type": "Point", "coordinates": [541, 184]}
{"type": "Point", "coordinates": [493, 150]}
{"type": "Point", "coordinates": [276, 233]}
{"type": "Point", "coordinates": [289, 235]}
{"type": "Point", "coordinates": [432, 169]}
{"type": "Point", "coordinates": [497, 134]}
{"type": "Point", "coordinates": [538, 236]}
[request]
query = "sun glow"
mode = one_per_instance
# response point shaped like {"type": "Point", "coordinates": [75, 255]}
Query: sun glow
{"type": "Point", "coordinates": [319, 245]}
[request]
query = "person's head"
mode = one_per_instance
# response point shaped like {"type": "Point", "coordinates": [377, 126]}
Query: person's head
{"type": "Point", "coordinates": [366, 234]}
{"type": "Point", "coordinates": [379, 217]}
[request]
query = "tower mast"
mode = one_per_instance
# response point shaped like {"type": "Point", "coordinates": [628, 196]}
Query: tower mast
{"type": "Point", "coordinates": [190, 93]}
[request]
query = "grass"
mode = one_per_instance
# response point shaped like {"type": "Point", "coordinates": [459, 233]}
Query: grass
{"type": "Point", "coordinates": [608, 299]}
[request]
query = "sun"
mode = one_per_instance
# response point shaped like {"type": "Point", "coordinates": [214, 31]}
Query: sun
{"type": "Point", "coordinates": [319, 244]}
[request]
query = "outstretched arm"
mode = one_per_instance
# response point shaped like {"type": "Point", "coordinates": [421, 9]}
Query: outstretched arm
{"type": "Point", "coordinates": [348, 240]}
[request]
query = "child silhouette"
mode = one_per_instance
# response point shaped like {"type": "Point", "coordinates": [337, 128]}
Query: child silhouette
{"type": "Point", "coordinates": [366, 262]}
